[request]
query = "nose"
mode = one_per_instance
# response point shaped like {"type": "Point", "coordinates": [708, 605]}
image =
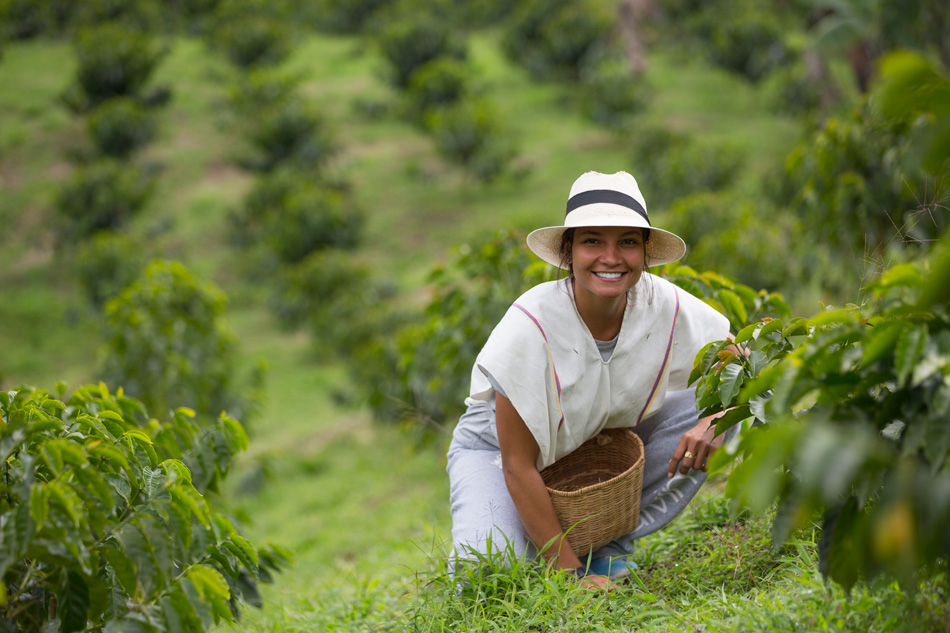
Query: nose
{"type": "Point", "coordinates": [611, 253]}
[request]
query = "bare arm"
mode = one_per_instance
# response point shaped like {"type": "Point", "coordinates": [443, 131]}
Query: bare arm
{"type": "Point", "coordinates": [519, 455]}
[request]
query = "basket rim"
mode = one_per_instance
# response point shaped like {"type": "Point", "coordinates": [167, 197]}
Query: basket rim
{"type": "Point", "coordinates": [587, 489]}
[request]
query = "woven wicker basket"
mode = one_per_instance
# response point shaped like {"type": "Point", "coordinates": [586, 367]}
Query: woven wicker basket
{"type": "Point", "coordinates": [596, 489]}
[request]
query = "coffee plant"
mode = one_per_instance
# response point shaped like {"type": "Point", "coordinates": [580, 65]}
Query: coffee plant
{"type": "Point", "coordinates": [850, 412]}
{"type": "Point", "coordinates": [101, 195]}
{"type": "Point", "coordinates": [113, 61]}
{"type": "Point", "coordinates": [556, 40]}
{"type": "Point", "coordinates": [105, 523]}
{"type": "Point", "coordinates": [108, 263]}
{"type": "Point", "coordinates": [470, 134]}
{"type": "Point", "coordinates": [121, 126]}
{"type": "Point", "coordinates": [412, 41]}
{"type": "Point", "coordinates": [166, 342]}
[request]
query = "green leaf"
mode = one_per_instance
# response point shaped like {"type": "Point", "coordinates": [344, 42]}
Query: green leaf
{"type": "Point", "coordinates": [190, 500]}
{"type": "Point", "coordinates": [63, 497]}
{"type": "Point", "coordinates": [123, 567]}
{"type": "Point", "coordinates": [213, 588]}
{"type": "Point", "coordinates": [730, 379]}
{"type": "Point", "coordinates": [733, 304]}
{"type": "Point", "coordinates": [176, 470]}
{"type": "Point", "coordinates": [732, 417]}
{"type": "Point", "coordinates": [881, 342]}
{"type": "Point", "coordinates": [771, 326]}
{"type": "Point", "coordinates": [153, 480]}
{"type": "Point", "coordinates": [73, 604]}
{"type": "Point", "coordinates": [39, 505]}
{"type": "Point", "coordinates": [747, 333]}
{"type": "Point", "coordinates": [910, 347]}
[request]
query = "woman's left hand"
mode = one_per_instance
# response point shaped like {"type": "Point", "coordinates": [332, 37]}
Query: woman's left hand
{"type": "Point", "coordinates": [696, 446]}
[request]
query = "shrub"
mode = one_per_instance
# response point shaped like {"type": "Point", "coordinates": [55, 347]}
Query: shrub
{"type": "Point", "coordinates": [120, 126]}
{"type": "Point", "coordinates": [293, 216]}
{"type": "Point", "coordinates": [288, 133]}
{"type": "Point", "coordinates": [745, 38]}
{"type": "Point", "coordinates": [853, 191]}
{"type": "Point", "coordinates": [469, 134]}
{"type": "Point", "coordinates": [556, 39]}
{"type": "Point", "coordinates": [438, 83]}
{"type": "Point", "coordinates": [114, 61]}
{"type": "Point", "coordinates": [107, 264]}
{"type": "Point", "coordinates": [262, 88]}
{"type": "Point", "coordinates": [101, 195]}
{"type": "Point", "coordinates": [420, 371]}
{"type": "Point", "coordinates": [348, 16]}
{"type": "Point", "coordinates": [610, 94]}
{"type": "Point", "coordinates": [336, 297]}
{"type": "Point", "coordinates": [851, 408]}
{"type": "Point", "coordinates": [410, 42]}
{"type": "Point", "coordinates": [738, 237]}
{"type": "Point", "coordinates": [313, 218]}
{"type": "Point", "coordinates": [21, 19]}
{"type": "Point", "coordinates": [165, 342]}
{"type": "Point", "coordinates": [667, 166]}
{"type": "Point", "coordinates": [254, 40]}
{"type": "Point", "coordinates": [104, 522]}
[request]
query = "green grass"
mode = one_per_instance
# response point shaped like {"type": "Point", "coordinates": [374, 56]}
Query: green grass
{"type": "Point", "coordinates": [364, 508]}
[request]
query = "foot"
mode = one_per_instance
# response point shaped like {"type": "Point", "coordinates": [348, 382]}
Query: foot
{"type": "Point", "coordinates": [615, 568]}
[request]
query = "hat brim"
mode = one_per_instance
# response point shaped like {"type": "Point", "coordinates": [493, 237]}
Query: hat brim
{"type": "Point", "coordinates": [662, 247]}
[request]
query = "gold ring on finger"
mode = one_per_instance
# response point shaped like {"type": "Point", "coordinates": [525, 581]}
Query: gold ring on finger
{"type": "Point", "coordinates": [689, 455]}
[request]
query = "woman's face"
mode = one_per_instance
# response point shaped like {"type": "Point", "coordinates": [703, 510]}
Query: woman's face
{"type": "Point", "coordinates": [607, 261]}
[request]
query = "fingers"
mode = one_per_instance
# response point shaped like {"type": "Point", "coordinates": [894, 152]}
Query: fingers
{"type": "Point", "coordinates": [689, 454]}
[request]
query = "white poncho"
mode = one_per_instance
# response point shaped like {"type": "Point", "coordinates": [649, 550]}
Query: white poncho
{"type": "Point", "coordinates": [546, 360]}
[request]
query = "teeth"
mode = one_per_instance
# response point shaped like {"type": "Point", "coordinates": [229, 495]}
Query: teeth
{"type": "Point", "coordinates": [608, 275]}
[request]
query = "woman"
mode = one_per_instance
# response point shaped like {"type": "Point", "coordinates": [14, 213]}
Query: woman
{"type": "Point", "coordinates": [610, 346]}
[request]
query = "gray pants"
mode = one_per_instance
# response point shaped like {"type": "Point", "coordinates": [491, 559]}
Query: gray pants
{"type": "Point", "coordinates": [482, 508]}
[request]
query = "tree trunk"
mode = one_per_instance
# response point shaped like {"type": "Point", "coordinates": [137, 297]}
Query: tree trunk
{"type": "Point", "coordinates": [631, 15]}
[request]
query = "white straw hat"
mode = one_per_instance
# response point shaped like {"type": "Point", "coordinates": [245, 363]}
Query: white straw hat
{"type": "Point", "coordinates": [607, 200]}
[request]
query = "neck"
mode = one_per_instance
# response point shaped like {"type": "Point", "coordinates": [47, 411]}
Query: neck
{"type": "Point", "coordinates": [603, 317]}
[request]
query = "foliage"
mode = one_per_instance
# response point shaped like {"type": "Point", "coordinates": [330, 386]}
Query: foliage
{"type": "Point", "coordinates": [348, 16]}
{"type": "Point", "coordinates": [261, 88]}
{"type": "Point", "coordinates": [101, 195]}
{"type": "Point", "coordinates": [912, 89]}
{"type": "Point", "coordinates": [854, 189]}
{"type": "Point", "coordinates": [254, 40]}
{"type": "Point", "coordinates": [668, 165]}
{"type": "Point", "coordinates": [408, 43]}
{"type": "Point", "coordinates": [744, 37]}
{"type": "Point", "coordinates": [610, 94]}
{"type": "Point", "coordinates": [21, 19]}
{"type": "Point", "coordinates": [288, 132]}
{"type": "Point", "coordinates": [856, 402]}
{"type": "Point", "coordinates": [104, 521]}
{"type": "Point", "coordinates": [336, 297]}
{"type": "Point", "coordinates": [114, 61]}
{"type": "Point", "coordinates": [165, 343]}
{"type": "Point", "coordinates": [107, 264]}
{"type": "Point", "coordinates": [469, 133]}
{"type": "Point", "coordinates": [120, 126]}
{"type": "Point", "coordinates": [437, 83]}
{"type": "Point", "coordinates": [294, 215]}
{"type": "Point", "coordinates": [421, 370]}
{"type": "Point", "coordinates": [737, 237]}
{"type": "Point", "coordinates": [556, 39]}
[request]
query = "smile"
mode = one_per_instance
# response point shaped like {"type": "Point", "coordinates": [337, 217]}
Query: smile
{"type": "Point", "coordinates": [609, 275]}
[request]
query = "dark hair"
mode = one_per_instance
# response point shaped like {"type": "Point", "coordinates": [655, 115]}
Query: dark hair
{"type": "Point", "coordinates": [567, 243]}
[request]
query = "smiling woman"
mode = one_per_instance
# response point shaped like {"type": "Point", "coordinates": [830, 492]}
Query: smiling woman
{"type": "Point", "coordinates": [610, 346]}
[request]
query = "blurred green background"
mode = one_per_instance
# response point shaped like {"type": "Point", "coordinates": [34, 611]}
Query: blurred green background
{"type": "Point", "coordinates": [345, 185]}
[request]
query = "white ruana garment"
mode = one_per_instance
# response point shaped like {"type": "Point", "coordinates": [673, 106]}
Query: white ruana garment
{"type": "Point", "coordinates": [593, 394]}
